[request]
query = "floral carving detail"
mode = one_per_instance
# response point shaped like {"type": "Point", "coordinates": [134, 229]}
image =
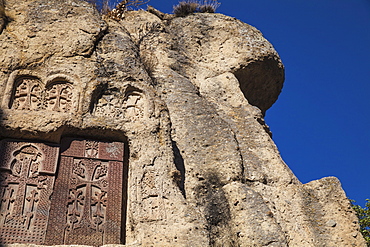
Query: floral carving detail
{"type": "Point", "coordinates": [79, 170]}
{"type": "Point", "coordinates": [91, 149]}
{"type": "Point", "coordinates": [99, 201]}
{"type": "Point", "coordinates": [75, 201]}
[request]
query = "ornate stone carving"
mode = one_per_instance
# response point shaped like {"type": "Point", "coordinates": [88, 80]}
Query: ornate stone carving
{"type": "Point", "coordinates": [91, 149]}
{"type": "Point", "coordinates": [26, 181]}
{"type": "Point", "coordinates": [27, 94]}
{"type": "Point", "coordinates": [151, 197]}
{"type": "Point", "coordinates": [87, 202]}
{"type": "Point", "coordinates": [109, 105]}
{"type": "Point", "coordinates": [112, 104]}
{"type": "Point", "coordinates": [134, 105]}
{"type": "Point", "coordinates": [59, 97]}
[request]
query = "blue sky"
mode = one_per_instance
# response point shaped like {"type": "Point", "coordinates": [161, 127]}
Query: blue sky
{"type": "Point", "coordinates": [321, 121]}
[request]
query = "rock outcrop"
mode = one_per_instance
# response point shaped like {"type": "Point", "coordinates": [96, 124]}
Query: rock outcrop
{"type": "Point", "coordinates": [184, 98]}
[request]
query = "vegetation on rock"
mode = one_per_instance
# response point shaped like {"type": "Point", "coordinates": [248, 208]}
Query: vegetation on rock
{"type": "Point", "coordinates": [106, 6]}
{"type": "Point", "coordinates": [188, 7]}
{"type": "Point", "coordinates": [363, 215]}
{"type": "Point", "coordinates": [115, 9]}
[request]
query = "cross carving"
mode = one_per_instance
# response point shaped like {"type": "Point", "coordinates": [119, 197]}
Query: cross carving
{"type": "Point", "coordinates": [87, 174]}
{"type": "Point", "coordinates": [24, 174]}
{"type": "Point", "coordinates": [27, 92]}
{"type": "Point", "coordinates": [60, 96]}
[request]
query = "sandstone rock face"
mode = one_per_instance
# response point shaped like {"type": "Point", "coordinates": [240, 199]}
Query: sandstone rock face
{"type": "Point", "coordinates": [148, 131]}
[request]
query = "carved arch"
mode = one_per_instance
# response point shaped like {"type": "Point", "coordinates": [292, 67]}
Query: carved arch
{"type": "Point", "coordinates": [28, 155]}
{"type": "Point", "coordinates": [26, 94]}
{"type": "Point", "coordinates": [129, 103]}
{"type": "Point", "coordinates": [60, 94]}
{"type": "Point", "coordinates": [135, 104]}
{"type": "Point", "coordinates": [106, 102]}
{"type": "Point", "coordinates": [27, 91]}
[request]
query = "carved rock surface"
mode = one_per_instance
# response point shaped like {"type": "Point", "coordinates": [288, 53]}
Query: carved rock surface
{"type": "Point", "coordinates": [160, 117]}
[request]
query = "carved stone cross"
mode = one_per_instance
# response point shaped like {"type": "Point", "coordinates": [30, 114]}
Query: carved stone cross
{"type": "Point", "coordinates": [27, 95]}
{"type": "Point", "coordinates": [88, 197]}
{"type": "Point", "coordinates": [26, 182]}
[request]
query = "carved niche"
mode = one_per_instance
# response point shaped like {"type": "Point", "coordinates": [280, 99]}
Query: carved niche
{"type": "Point", "coordinates": [131, 106]}
{"type": "Point", "coordinates": [87, 203]}
{"type": "Point", "coordinates": [29, 93]}
{"type": "Point", "coordinates": [27, 173]}
{"type": "Point", "coordinates": [58, 97]}
{"type": "Point", "coordinates": [134, 105]}
{"type": "Point", "coordinates": [109, 105]}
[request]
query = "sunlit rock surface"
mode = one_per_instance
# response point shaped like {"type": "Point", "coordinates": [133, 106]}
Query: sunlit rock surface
{"type": "Point", "coordinates": [167, 118]}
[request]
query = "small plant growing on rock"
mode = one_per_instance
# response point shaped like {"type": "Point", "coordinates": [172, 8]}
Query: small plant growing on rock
{"type": "Point", "coordinates": [117, 12]}
{"type": "Point", "coordinates": [209, 6]}
{"type": "Point", "coordinates": [188, 7]}
{"type": "Point", "coordinates": [363, 215]}
{"type": "Point", "coordinates": [185, 8]}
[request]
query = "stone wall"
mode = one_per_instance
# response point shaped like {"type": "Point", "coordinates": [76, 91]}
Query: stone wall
{"type": "Point", "coordinates": [149, 131]}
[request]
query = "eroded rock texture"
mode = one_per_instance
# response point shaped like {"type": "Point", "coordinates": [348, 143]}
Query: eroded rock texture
{"type": "Point", "coordinates": [148, 131]}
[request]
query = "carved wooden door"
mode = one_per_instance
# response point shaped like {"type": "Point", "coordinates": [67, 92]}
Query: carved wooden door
{"type": "Point", "coordinates": [27, 171]}
{"type": "Point", "coordinates": [87, 202]}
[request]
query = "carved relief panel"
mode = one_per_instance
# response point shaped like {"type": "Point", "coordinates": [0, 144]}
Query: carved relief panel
{"type": "Point", "coordinates": [109, 105]}
{"type": "Point", "coordinates": [30, 93]}
{"type": "Point", "coordinates": [134, 106]}
{"type": "Point", "coordinates": [87, 203]}
{"type": "Point", "coordinates": [131, 106]}
{"type": "Point", "coordinates": [150, 196]}
{"type": "Point", "coordinates": [27, 173]}
{"type": "Point", "coordinates": [27, 95]}
{"type": "Point", "coordinates": [59, 97]}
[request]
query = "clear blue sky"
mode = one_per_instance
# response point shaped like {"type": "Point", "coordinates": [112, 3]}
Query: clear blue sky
{"type": "Point", "coordinates": [321, 121]}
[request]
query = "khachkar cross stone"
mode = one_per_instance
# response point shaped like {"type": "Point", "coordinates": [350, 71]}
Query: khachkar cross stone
{"type": "Point", "coordinates": [27, 94]}
{"type": "Point", "coordinates": [59, 97]}
{"type": "Point", "coordinates": [87, 204]}
{"type": "Point", "coordinates": [27, 173]}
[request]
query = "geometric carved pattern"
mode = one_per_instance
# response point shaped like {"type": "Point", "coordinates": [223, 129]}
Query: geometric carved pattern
{"type": "Point", "coordinates": [59, 97]}
{"type": "Point", "coordinates": [87, 201]}
{"type": "Point", "coordinates": [29, 95]}
{"type": "Point", "coordinates": [134, 105]}
{"type": "Point", "coordinates": [27, 173]}
{"type": "Point", "coordinates": [131, 107]}
{"type": "Point", "coordinates": [150, 195]}
{"type": "Point", "coordinates": [109, 105]}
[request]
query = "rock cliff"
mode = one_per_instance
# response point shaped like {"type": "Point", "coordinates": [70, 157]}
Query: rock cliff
{"type": "Point", "coordinates": [160, 119]}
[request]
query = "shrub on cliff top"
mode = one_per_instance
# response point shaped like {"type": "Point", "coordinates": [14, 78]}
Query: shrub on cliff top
{"type": "Point", "coordinates": [188, 7]}
{"type": "Point", "coordinates": [185, 8]}
{"type": "Point", "coordinates": [209, 6]}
